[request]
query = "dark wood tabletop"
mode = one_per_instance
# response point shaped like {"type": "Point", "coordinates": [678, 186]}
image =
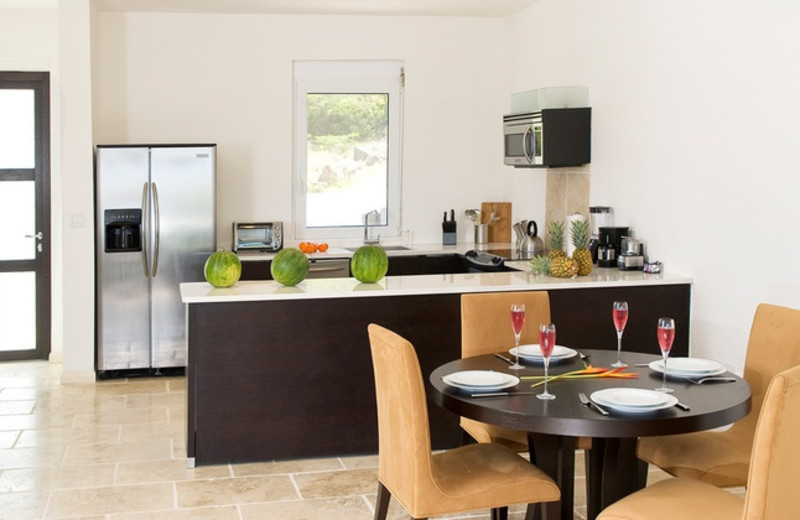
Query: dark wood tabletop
{"type": "Point", "coordinates": [555, 424]}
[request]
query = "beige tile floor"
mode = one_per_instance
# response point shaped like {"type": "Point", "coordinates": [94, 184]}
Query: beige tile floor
{"type": "Point", "coordinates": [115, 450]}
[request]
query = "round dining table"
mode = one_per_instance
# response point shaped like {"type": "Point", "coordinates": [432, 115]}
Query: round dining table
{"type": "Point", "coordinates": [553, 426]}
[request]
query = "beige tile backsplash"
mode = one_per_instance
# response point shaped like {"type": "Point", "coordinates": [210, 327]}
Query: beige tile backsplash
{"type": "Point", "coordinates": [567, 193]}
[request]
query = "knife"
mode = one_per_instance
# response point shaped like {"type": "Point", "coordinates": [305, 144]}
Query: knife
{"type": "Point", "coordinates": [682, 406]}
{"type": "Point", "coordinates": [501, 356]}
{"type": "Point", "coordinates": [585, 400]}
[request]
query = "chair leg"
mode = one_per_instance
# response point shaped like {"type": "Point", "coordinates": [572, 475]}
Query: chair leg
{"type": "Point", "coordinates": [500, 513]}
{"type": "Point", "coordinates": [641, 473]}
{"type": "Point", "coordinates": [382, 502]}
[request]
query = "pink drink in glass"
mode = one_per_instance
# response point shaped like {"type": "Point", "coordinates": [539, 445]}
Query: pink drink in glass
{"type": "Point", "coordinates": [620, 319]}
{"type": "Point", "coordinates": [517, 323]}
{"type": "Point", "coordinates": [666, 335]}
{"type": "Point", "coordinates": [547, 340]}
{"type": "Point", "coordinates": [620, 315]}
{"type": "Point", "coordinates": [517, 320]}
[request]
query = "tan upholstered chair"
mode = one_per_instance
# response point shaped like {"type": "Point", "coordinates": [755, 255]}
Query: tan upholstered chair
{"type": "Point", "coordinates": [470, 477]}
{"type": "Point", "coordinates": [722, 458]}
{"type": "Point", "coordinates": [486, 329]}
{"type": "Point", "coordinates": [772, 491]}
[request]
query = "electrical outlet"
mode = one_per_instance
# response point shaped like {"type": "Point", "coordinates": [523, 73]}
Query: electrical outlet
{"type": "Point", "coordinates": [77, 220]}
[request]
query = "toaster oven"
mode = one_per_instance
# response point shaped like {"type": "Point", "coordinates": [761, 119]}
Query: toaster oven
{"type": "Point", "coordinates": [257, 236]}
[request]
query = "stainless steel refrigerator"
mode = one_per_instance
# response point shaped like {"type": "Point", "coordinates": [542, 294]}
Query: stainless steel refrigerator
{"type": "Point", "coordinates": [155, 227]}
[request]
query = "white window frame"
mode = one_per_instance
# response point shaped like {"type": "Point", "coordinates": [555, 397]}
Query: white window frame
{"type": "Point", "coordinates": [348, 77]}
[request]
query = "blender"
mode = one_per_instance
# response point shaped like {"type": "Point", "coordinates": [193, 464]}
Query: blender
{"type": "Point", "coordinates": [599, 216]}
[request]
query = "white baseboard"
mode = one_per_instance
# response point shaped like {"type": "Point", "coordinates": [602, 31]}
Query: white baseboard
{"type": "Point", "coordinates": [78, 378]}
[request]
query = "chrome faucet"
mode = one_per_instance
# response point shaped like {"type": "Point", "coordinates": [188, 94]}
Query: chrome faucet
{"type": "Point", "coordinates": [368, 240]}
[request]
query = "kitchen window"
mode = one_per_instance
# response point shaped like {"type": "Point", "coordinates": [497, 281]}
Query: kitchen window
{"type": "Point", "coordinates": [348, 135]}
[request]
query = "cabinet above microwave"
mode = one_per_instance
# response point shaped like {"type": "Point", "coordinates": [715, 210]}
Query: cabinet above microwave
{"type": "Point", "coordinates": [548, 138]}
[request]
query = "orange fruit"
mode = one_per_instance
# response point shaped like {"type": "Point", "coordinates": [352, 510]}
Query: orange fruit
{"type": "Point", "coordinates": [323, 247]}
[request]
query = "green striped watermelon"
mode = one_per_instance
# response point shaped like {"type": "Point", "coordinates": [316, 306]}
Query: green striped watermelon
{"type": "Point", "coordinates": [369, 263]}
{"type": "Point", "coordinates": [289, 267]}
{"type": "Point", "coordinates": [223, 268]}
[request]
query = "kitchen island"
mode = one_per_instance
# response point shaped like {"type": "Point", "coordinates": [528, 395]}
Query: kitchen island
{"type": "Point", "coordinates": [285, 372]}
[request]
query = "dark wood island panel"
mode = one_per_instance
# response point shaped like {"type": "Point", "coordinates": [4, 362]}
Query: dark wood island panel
{"type": "Point", "coordinates": [286, 379]}
{"type": "Point", "coordinates": [292, 379]}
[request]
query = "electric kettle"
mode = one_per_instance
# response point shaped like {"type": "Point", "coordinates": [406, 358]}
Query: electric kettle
{"type": "Point", "coordinates": [530, 245]}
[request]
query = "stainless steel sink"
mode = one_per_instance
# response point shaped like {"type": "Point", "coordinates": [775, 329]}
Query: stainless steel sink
{"type": "Point", "coordinates": [385, 248]}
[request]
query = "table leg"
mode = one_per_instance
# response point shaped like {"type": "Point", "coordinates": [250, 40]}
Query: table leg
{"type": "Point", "coordinates": [614, 472]}
{"type": "Point", "coordinates": [555, 455]}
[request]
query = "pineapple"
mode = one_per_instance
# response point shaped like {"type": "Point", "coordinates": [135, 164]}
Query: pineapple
{"type": "Point", "coordinates": [580, 239]}
{"type": "Point", "coordinates": [563, 267]}
{"type": "Point", "coordinates": [556, 238]}
{"type": "Point", "coordinates": [540, 265]}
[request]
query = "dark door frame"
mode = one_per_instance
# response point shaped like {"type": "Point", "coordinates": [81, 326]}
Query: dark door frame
{"type": "Point", "coordinates": [39, 82]}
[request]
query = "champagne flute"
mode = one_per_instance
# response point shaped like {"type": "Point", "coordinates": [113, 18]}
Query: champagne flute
{"type": "Point", "coordinates": [517, 322]}
{"type": "Point", "coordinates": [620, 314]}
{"type": "Point", "coordinates": [666, 335]}
{"type": "Point", "coordinates": [547, 340]}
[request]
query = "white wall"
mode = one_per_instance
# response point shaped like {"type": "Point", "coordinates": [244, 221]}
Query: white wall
{"type": "Point", "coordinates": [29, 42]}
{"type": "Point", "coordinates": [696, 118]}
{"type": "Point", "coordinates": [227, 79]}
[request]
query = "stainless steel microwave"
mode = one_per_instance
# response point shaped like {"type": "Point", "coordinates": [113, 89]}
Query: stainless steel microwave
{"type": "Point", "coordinates": [257, 236]}
{"type": "Point", "coordinates": [549, 137]}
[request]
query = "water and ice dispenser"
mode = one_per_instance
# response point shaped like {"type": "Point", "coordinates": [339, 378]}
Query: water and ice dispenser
{"type": "Point", "coordinates": [123, 230]}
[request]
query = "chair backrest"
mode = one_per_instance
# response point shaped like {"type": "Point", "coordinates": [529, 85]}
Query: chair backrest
{"type": "Point", "coordinates": [404, 445]}
{"type": "Point", "coordinates": [774, 345]}
{"type": "Point", "coordinates": [772, 490]}
{"type": "Point", "coordinates": [486, 320]}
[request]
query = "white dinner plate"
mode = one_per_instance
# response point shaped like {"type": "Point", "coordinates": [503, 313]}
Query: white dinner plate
{"type": "Point", "coordinates": [534, 352]}
{"type": "Point", "coordinates": [480, 380]}
{"type": "Point", "coordinates": [682, 368]}
{"type": "Point", "coordinates": [636, 400]}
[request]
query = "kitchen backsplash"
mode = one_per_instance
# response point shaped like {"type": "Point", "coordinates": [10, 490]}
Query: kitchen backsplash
{"type": "Point", "coordinates": [567, 193]}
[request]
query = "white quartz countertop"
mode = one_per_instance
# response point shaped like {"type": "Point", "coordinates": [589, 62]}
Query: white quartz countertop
{"type": "Point", "coordinates": [324, 288]}
{"type": "Point", "coordinates": [346, 250]}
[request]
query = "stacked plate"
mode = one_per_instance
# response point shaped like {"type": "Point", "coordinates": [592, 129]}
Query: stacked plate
{"type": "Point", "coordinates": [633, 400]}
{"type": "Point", "coordinates": [534, 353]}
{"type": "Point", "coordinates": [685, 368]}
{"type": "Point", "coordinates": [480, 380]}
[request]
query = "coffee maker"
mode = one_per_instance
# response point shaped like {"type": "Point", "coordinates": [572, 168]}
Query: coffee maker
{"type": "Point", "coordinates": [610, 245]}
{"type": "Point", "coordinates": [599, 216]}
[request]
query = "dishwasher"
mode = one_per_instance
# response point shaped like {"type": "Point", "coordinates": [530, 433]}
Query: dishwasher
{"type": "Point", "coordinates": [329, 268]}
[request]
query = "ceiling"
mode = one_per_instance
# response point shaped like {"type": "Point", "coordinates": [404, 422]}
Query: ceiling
{"type": "Point", "coordinates": [478, 8]}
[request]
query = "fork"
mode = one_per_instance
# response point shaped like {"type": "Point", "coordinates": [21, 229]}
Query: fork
{"type": "Point", "coordinates": [715, 379]}
{"type": "Point", "coordinates": [591, 404]}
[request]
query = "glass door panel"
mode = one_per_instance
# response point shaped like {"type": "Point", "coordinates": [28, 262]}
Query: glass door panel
{"type": "Point", "coordinates": [17, 141]}
{"type": "Point", "coordinates": [18, 311]}
{"type": "Point", "coordinates": [18, 217]}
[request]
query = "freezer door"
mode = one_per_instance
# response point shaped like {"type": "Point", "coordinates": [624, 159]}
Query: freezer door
{"type": "Point", "coordinates": [123, 301]}
{"type": "Point", "coordinates": [184, 235]}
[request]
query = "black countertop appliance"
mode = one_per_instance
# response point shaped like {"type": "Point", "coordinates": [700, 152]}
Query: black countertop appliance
{"type": "Point", "coordinates": [610, 245]}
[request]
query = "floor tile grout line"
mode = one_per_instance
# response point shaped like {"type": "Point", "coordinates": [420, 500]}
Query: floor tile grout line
{"type": "Point", "coordinates": [296, 486]}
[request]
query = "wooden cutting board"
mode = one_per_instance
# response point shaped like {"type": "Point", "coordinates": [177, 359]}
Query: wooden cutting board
{"type": "Point", "coordinates": [500, 231]}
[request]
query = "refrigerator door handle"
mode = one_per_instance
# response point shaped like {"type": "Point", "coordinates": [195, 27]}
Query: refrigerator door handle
{"type": "Point", "coordinates": [144, 230]}
{"type": "Point", "coordinates": [157, 220]}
